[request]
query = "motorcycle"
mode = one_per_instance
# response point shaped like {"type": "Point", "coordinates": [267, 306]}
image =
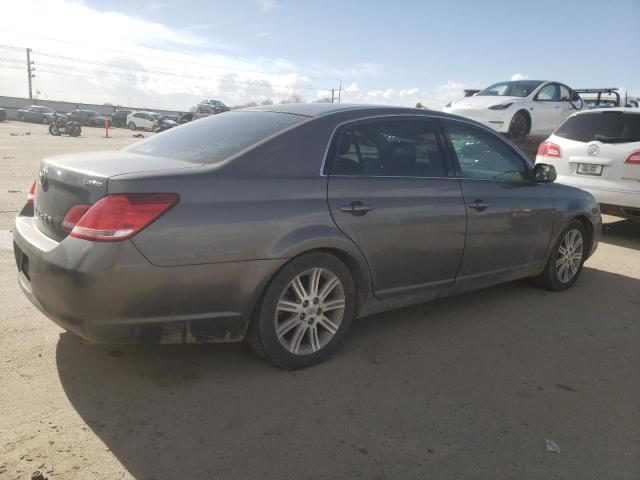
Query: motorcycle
{"type": "Point", "coordinates": [62, 125]}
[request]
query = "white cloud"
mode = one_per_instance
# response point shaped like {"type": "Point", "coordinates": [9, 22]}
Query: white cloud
{"type": "Point", "coordinates": [262, 34]}
{"type": "Point", "coordinates": [161, 67]}
{"type": "Point", "coordinates": [520, 76]}
{"type": "Point", "coordinates": [266, 5]}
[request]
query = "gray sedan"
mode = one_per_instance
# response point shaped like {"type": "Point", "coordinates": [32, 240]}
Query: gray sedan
{"type": "Point", "coordinates": [282, 224]}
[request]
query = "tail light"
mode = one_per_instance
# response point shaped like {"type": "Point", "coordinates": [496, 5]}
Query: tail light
{"type": "Point", "coordinates": [73, 216]}
{"type": "Point", "coordinates": [633, 158]}
{"type": "Point", "coordinates": [117, 217]}
{"type": "Point", "coordinates": [548, 149]}
{"type": "Point", "coordinates": [32, 194]}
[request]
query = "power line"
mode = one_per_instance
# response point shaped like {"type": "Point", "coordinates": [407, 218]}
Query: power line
{"type": "Point", "coordinates": [153, 57]}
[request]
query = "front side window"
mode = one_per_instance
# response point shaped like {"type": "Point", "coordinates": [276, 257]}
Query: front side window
{"type": "Point", "coordinates": [389, 148]}
{"type": "Point", "coordinates": [481, 155]}
{"type": "Point", "coordinates": [549, 93]}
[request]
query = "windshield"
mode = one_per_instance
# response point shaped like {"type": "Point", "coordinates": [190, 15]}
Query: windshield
{"type": "Point", "coordinates": [518, 88]}
{"type": "Point", "coordinates": [213, 139]}
{"type": "Point", "coordinates": [608, 127]}
{"type": "Point", "coordinates": [43, 109]}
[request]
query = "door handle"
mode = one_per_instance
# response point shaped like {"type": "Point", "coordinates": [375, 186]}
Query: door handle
{"type": "Point", "coordinates": [479, 205]}
{"type": "Point", "coordinates": [356, 208]}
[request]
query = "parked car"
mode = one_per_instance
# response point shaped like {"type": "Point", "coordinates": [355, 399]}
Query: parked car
{"type": "Point", "coordinates": [599, 151]}
{"type": "Point", "coordinates": [212, 106]}
{"type": "Point", "coordinates": [521, 107]}
{"type": "Point", "coordinates": [3, 114]}
{"type": "Point", "coordinates": [606, 98]}
{"type": "Point", "coordinates": [142, 120]}
{"type": "Point", "coordinates": [162, 123]}
{"type": "Point", "coordinates": [185, 117]}
{"type": "Point", "coordinates": [35, 113]}
{"type": "Point", "coordinates": [88, 118]}
{"type": "Point", "coordinates": [280, 224]}
{"type": "Point", "coordinates": [119, 118]}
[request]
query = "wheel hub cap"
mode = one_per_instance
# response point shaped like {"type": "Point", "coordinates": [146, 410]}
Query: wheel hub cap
{"type": "Point", "coordinates": [569, 255]}
{"type": "Point", "coordinates": [310, 311]}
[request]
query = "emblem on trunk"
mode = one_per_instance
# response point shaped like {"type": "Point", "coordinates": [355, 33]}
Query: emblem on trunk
{"type": "Point", "coordinates": [92, 182]}
{"type": "Point", "coordinates": [44, 181]}
{"type": "Point", "coordinates": [593, 149]}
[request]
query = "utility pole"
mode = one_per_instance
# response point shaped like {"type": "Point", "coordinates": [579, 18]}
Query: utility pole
{"type": "Point", "coordinates": [30, 69]}
{"type": "Point", "coordinates": [340, 91]}
{"type": "Point", "coordinates": [333, 92]}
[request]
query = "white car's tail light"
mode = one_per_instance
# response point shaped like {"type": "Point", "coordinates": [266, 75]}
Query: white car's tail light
{"type": "Point", "coordinates": [117, 217]}
{"type": "Point", "coordinates": [549, 149]}
{"type": "Point", "coordinates": [633, 158]}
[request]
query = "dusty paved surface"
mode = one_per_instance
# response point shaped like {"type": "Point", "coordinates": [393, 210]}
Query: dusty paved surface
{"type": "Point", "coordinates": [466, 387]}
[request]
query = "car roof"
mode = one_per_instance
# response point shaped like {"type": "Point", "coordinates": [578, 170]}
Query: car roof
{"type": "Point", "coordinates": [605, 110]}
{"type": "Point", "coordinates": [322, 109]}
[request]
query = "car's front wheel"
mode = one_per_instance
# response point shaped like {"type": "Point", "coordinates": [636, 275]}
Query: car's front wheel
{"type": "Point", "coordinates": [519, 126]}
{"type": "Point", "coordinates": [305, 311]}
{"type": "Point", "coordinates": [132, 126]}
{"type": "Point", "coordinates": [566, 260]}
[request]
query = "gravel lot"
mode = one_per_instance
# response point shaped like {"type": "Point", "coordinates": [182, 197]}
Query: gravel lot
{"type": "Point", "coordinates": [465, 387]}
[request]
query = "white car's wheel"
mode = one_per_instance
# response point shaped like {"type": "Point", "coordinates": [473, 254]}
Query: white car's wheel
{"type": "Point", "coordinates": [519, 126]}
{"type": "Point", "coordinates": [132, 126]}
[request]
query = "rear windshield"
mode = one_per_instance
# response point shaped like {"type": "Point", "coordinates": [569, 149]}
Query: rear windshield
{"type": "Point", "coordinates": [212, 139]}
{"type": "Point", "coordinates": [608, 127]}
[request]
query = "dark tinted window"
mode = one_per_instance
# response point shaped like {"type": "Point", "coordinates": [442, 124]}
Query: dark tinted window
{"type": "Point", "coordinates": [615, 127]}
{"type": "Point", "coordinates": [482, 155]}
{"type": "Point", "coordinates": [213, 139]}
{"type": "Point", "coordinates": [407, 148]}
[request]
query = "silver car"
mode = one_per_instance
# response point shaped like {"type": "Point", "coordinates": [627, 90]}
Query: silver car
{"type": "Point", "coordinates": [282, 224]}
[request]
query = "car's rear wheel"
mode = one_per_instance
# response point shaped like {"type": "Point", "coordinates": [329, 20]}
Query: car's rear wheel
{"type": "Point", "coordinates": [45, 120]}
{"type": "Point", "coordinates": [519, 126]}
{"type": "Point", "coordinates": [132, 126]}
{"type": "Point", "coordinates": [305, 311]}
{"type": "Point", "coordinates": [566, 260]}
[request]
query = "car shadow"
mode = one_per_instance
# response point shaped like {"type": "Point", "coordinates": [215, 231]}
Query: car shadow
{"type": "Point", "coordinates": [622, 233]}
{"type": "Point", "coordinates": [473, 383]}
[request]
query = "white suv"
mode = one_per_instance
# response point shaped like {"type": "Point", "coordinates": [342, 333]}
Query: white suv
{"type": "Point", "coordinates": [599, 151]}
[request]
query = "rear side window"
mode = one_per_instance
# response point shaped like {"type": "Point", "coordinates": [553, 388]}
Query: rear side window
{"type": "Point", "coordinates": [389, 148]}
{"type": "Point", "coordinates": [212, 139]}
{"type": "Point", "coordinates": [608, 127]}
{"type": "Point", "coordinates": [483, 156]}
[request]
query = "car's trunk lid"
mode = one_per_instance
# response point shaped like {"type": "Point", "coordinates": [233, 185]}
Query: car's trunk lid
{"type": "Point", "coordinates": [82, 179]}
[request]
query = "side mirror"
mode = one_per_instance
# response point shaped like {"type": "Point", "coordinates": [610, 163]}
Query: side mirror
{"type": "Point", "coordinates": [544, 173]}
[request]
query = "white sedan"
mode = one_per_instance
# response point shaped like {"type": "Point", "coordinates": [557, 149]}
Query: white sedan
{"type": "Point", "coordinates": [520, 107]}
{"type": "Point", "coordinates": [599, 151]}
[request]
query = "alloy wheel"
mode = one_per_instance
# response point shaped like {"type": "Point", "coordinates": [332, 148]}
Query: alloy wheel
{"type": "Point", "coordinates": [569, 255]}
{"type": "Point", "coordinates": [310, 311]}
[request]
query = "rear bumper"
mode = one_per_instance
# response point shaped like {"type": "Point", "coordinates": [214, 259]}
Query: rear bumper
{"type": "Point", "coordinates": [108, 292]}
{"type": "Point", "coordinates": [613, 198]}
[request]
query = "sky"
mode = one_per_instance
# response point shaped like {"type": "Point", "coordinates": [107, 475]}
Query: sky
{"type": "Point", "coordinates": [172, 54]}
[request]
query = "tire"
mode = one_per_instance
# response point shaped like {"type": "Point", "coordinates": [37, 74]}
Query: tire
{"type": "Point", "coordinates": [555, 277]}
{"type": "Point", "coordinates": [519, 126]}
{"type": "Point", "coordinates": [132, 126]}
{"type": "Point", "coordinates": [45, 121]}
{"type": "Point", "coordinates": [296, 337]}
{"type": "Point", "coordinates": [74, 130]}
{"type": "Point", "coordinates": [20, 118]}
{"type": "Point", "coordinates": [54, 131]}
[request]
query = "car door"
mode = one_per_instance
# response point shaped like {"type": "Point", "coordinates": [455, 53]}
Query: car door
{"type": "Point", "coordinates": [29, 114]}
{"type": "Point", "coordinates": [390, 191]}
{"type": "Point", "coordinates": [509, 216]}
{"type": "Point", "coordinates": [547, 110]}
